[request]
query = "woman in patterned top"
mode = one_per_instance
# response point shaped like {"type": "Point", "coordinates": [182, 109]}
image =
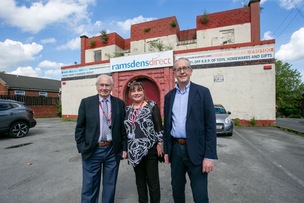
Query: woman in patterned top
{"type": "Point", "coordinates": [145, 142]}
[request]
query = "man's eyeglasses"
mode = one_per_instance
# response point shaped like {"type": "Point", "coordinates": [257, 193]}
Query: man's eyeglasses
{"type": "Point", "coordinates": [180, 69]}
{"type": "Point", "coordinates": [104, 85]}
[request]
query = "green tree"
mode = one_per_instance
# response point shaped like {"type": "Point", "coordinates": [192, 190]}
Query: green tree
{"type": "Point", "coordinates": [289, 90]}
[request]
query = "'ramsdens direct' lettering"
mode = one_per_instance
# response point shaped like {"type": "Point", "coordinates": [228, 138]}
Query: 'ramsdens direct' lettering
{"type": "Point", "coordinates": [139, 64]}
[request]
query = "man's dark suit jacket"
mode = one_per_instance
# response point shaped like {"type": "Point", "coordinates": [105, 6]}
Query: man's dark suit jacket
{"type": "Point", "coordinates": [87, 127]}
{"type": "Point", "coordinates": [200, 124]}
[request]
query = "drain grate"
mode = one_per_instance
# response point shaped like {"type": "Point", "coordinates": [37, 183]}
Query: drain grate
{"type": "Point", "coordinates": [18, 145]}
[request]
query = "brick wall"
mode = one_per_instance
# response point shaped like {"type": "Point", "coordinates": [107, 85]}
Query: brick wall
{"type": "Point", "coordinates": [44, 111]}
{"type": "Point", "coordinates": [225, 18]}
{"type": "Point", "coordinates": [157, 28]}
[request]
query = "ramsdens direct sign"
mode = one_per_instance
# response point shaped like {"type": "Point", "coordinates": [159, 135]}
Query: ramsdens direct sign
{"type": "Point", "coordinates": [143, 61]}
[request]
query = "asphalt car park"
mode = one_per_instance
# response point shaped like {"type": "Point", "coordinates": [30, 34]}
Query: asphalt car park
{"type": "Point", "coordinates": [256, 164]}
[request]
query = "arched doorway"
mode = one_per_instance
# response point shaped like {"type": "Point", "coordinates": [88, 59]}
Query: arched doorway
{"type": "Point", "coordinates": [151, 90]}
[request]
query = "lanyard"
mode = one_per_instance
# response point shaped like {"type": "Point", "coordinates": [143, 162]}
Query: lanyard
{"type": "Point", "coordinates": [136, 113]}
{"type": "Point", "coordinates": [105, 115]}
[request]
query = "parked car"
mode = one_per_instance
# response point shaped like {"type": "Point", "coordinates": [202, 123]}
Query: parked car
{"type": "Point", "coordinates": [224, 125]}
{"type": "Point", "coordinates": [15, 118]}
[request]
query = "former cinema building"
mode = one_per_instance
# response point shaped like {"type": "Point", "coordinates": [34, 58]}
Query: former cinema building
{"type": "Point", "coordinates": [225, 51]}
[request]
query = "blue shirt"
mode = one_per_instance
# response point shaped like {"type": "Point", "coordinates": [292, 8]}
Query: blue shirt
{"type": "Point", "coordinates": [179, 112]}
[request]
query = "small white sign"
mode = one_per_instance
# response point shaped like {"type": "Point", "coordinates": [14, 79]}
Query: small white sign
{"type": "Point", "coordinates": [218, 78]}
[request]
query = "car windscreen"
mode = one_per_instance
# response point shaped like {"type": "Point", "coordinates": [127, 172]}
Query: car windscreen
{"type": "Point", "coordinates": [219, 110]}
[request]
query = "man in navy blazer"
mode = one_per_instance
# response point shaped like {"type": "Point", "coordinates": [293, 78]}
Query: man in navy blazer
{"type": "Point", "coordinates": [101, 139]}
{"type": "Point", "coordinates": [189, 134]}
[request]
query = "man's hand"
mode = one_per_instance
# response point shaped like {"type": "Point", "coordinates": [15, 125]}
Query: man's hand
{"type": "Point", "coordinates": [208, 165]}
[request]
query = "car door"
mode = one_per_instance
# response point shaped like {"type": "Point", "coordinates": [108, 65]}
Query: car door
{"type": "Point", "coordinates": [6, 114]}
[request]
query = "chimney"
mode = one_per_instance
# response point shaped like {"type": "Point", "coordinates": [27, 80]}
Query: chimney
{"type": "Point", "coordinates": [254, 6]}
{"type": "Point", "coordinates": [83, 48]}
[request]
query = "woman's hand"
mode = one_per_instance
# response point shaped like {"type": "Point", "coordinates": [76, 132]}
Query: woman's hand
{"type": "Point", "coordinates": [124, 155]}
{"type": "Point", "coordinates": [160, 149]}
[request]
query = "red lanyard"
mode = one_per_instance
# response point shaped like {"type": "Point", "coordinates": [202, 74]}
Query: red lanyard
{"type": "Point", "coordinates": [134, 115]}
{"type": "Point", "coordinates": [104, 113]}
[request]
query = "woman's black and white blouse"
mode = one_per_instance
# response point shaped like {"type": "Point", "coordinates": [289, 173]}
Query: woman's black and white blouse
{"type": "Point", "coordinates": [144, 129]}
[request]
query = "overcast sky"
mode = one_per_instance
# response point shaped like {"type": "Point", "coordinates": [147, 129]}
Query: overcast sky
{"type": "Point", "coordinates": [38, 37]}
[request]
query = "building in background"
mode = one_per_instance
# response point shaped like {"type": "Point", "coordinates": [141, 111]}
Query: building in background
{"type": "Point", "coordinates": [224, 49]}
{"type": "Point", "coordinates": [40, 94]}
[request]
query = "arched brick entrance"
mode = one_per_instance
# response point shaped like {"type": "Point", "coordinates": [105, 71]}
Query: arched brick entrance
{"type": "Point", "coordinates": [157, 83]}
{"type": "Point", "coordinates": [151, 90]}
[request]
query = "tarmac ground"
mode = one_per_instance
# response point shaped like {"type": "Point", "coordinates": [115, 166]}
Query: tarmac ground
{"type": "Point", "coordinates": [256, 164]}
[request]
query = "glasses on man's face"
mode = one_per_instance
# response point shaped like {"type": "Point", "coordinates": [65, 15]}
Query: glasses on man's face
{"type": "Point", "coordinates": [180, 69]}
{"type": "Point", "coordinates": [104, 85]}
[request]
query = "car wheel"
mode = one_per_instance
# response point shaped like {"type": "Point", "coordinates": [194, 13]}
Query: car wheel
{"type": "Point", "coordinates": [19, 129]}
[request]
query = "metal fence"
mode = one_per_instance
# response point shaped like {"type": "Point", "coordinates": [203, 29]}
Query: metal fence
{"type": "Point", "coordinates": [33, 101]}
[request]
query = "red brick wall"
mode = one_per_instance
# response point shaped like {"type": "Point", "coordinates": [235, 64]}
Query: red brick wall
{"type": "Point", "coordinates": [113, 39]}
{"type": "Point", "coordinates": [158, 28]}
{"type": "Point", "coordinates": [44, 111]}
{"type": "Point", "coordinates": [3, 90]}
{"type": "Point", "coordinates": [225, 18]}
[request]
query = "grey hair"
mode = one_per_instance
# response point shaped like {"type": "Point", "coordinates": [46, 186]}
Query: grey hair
{"type": "Point", "coordinates": [104, 75]}
{"type": "Point", "coordinates": [189, 64]}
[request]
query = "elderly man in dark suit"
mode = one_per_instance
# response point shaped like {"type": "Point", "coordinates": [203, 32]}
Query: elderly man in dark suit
{"type": "Point", "coordinates": [189, 134]}
{"type": "Point", "coordinates": [101, 140]}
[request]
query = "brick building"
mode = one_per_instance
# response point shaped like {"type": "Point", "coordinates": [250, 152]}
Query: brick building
{"type": "Point", "coordinates": [224, 49]}
{"type": "Point", "coordinates": [40, 94]}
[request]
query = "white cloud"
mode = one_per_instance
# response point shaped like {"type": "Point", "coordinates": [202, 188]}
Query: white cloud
{"type": "Point", "coordinates": [50, 69]}
{"type": "Point", "coordinates": [126, 25]}
{"type": "Point", "coordinates": [54, 74]}
{"type": "Point", "coordinates": [293, 50]}
{"type": "Point", "coordinates": [26, 71]}
{"type": "Point", "coordinates": [14, 53]}
{"type": "Point", "coordinates": [45, 69]}
{"type": "Point", "coordinates": [48, 41]}
{"type": "Point", "coordinates": [50, 64]}
{"type": "Point", "coordinates": [290, 4]}
{"type": "Point", "coordinates": [39, 15]}
{"type": "Point", "coordinates": [268, 35]}
{"type": "Point", "coordinates": [73, 44]}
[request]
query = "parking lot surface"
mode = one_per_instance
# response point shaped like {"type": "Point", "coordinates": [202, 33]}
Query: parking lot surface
{"type": "Point", "coordinates": [256, 164]}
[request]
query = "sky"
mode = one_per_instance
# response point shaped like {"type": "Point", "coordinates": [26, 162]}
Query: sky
{"type": "Point", "coordinates": [37, 38]}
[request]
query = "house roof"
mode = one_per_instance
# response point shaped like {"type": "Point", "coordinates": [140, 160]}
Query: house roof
{"type": "Point", "coordinates": [29, 83]}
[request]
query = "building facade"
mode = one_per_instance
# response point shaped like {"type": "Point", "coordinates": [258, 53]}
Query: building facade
{"type": "Point", "coordinates": [225, 51]}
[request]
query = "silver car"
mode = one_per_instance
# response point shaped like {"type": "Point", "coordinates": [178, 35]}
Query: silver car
{"type": "Point", "coordinates": [224, 125]}
{"type": "Point", "coordinates": [15, 118]}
